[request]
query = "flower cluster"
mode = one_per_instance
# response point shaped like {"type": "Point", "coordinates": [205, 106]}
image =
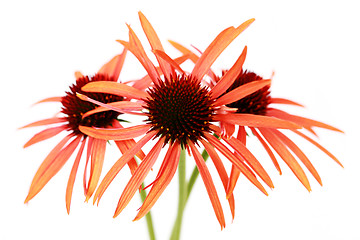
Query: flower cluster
{"type": "Point", "coordinates": [183, 111]}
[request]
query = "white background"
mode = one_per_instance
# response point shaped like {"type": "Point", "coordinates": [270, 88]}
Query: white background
{"type": "Point", "coordinates": [313, 47]}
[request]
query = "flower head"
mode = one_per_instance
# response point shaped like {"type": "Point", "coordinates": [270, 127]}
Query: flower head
{"type": "Point", "coordinates": [261, 103]}
{"type": "Point", "coordinates": [182, 112]}
{"type": "Point", "coordinates": [179, 109]}
{"type": "Point", "coordinates": [72, 118]}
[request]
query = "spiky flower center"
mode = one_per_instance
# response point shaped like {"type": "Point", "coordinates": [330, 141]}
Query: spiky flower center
{"type": "Point", "coordinates": [180, 109]}
{"type": "Point", "coordinates": [74, 108]}
{"type": "Point", "coordinates": [255, 103]}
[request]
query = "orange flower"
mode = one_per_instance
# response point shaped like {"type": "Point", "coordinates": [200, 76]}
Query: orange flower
{"type": "Point", "coordinates": [261, 103]}
{"type": "Point", "coordinates": [73, 110]}
{"type": "Point", "coordinates": [181, 113]}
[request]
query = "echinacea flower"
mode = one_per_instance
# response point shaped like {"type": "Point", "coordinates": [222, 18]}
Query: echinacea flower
{"type": "Point", "coordinates": [70, 120]}
{"type": "Point", "coordinates": [262, 104]}
{"type": "Point", "coordinates": [181, 113]}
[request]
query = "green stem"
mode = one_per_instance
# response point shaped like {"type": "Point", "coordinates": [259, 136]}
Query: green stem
{"type": "Point", "coordinates": [184, 191]}
{"type": "Point", "coordinates": [148, 217]}
{"type": "Point", "coordinates": [175, 235]}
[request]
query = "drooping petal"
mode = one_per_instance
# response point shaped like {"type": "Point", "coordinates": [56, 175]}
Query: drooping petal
{"type": "Point", "coordinates": [115, 88]}
{"type": "Point", "coordinates": [284, 101]}
{"type": "Point", "coordinates": [267, 148]}
{"type": "Point", "coordinates": [236, 161]}
{"type": "Point", "coordinates": [115, 133]}
{"type": "Point", "coordinates": [114, 66]}
{"type": "Point", "coordinates": [163, 179]}
{"type": "Point", "coordinates": [121, 106]}
{"type": "Point", "coordinates": [217, 46]}
{"type": "Point", "coordinates": [222, 172]}
{"type": "Point", "coordinates": [288, 158]}
{"type": "Point", "coordinates": [297, 151]}
{"type": "Point", "coordinates": [97, 160]}
{"type": "Point", "coordinates": [241, 92]}
{"type": "Point", "coordinates": [51, 165]}
{"type": "Point", "coordinates": [123, 148]}
{"type": "Point", "coordinates": [119, 164]}
{"type": "Point", "coordinates": [139, 176]}
{"type": "Point", "coordinates": [209, 184]}
{"type": "Point", "coordinates": [251, 120]}
{"type": "Point", "coordinates": [45, 134]}
{"type": "Point", "coordinates": [235, 172]}
{"type": "Point", "coordinates": [45, 122]}
{"type": "Point", "coordinates": [306, 122]}
{"type": "Point", "coordinates": [88, 155]}
{"type": "Point", "coordinates": [230, 76]}
{"type": "Point", "coordinates": [319, 146]}
{"type": "Point", "coordinates": [250, 159]}
{"type": "Point", "coordinates": [155, 44]}
{"type": "Point", "coordinates": [227, 129]}
{"type": "Point", "coordinates": [70, 184]}
{"type": "Point", "coordinates": [125, 145]}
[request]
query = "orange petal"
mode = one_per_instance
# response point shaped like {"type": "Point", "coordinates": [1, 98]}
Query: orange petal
{"type": "Point", "coordinates": [45, 122]}
{"type": "Point", "coordinates": [142, 83]}
{"type": "Point", "coordinates": [250, 120]}
{"type": "Point", "coordinates": [45, 134]}
{"type": "Point", "coordinates": [124, 146]}
{"type": "Point", "coordinates": [235, 172]}
{"type": "Point", "coordinates": [222, 172]}
{"type": "Point", "coordinates": [88, 155]}
{"type": "Point", "coordinates": [241, 92]}
{"type": "Point", "coordinates": [139, 176]}
{"type": "Point", "coordinates": [50, 99]}
{"type": "Point", "coordinates": [122, 107]}
{"type": "Point", "coordinates": [227, 129]}
{"type": "Point", "coordinates": [297, 151]}
{"type": "Point", "coordinates": [192, 56]}
{"type": "Point", "coordinates": [129, 143]}
{"type": "Point", "coordinates": [155, 44]}
{"type": "Point", "coordinates": [305, 122]}
{"type": "Point", "coordinates": [209, 184]}
{"type": "Point", "coordinates": [236, 161]}
{"type": "Point", "coordinates": [70, 185]}
{"type": "Point", "coordinates": [78, 75]}
{"type": "Point", "coordinates": [288, 158]}
{"type": "Point", "coordinates": [166, 173]}
{"type": "Point", "coordinates": [230, 76]}
{"type": "Point", "coordinates": [216, 48]}
{"type": "Point", "coordinates": [97, 160]}
{"type": "Point", "coordinates": [241, 149]}
{"type": "Point", "coordinates": [51, 165]}
{"type": "Point", "coordinates": [115, 88]}
{"type": "Point", "coordinates": [284, 101]}
{"type": "Point", "coordinates": [115, 133]}
{"type": "Point", "coordinates": [114, 66]}
{"type": "Point", "coordinates": [134, 45]}
{"type": "Point", "coordinates": [319, 146]}
{"type": "Point", "coordinates": [170, 61]}
{"type": "Point", "coordinates": [267, 148]}
{"type": "Point", "coordinates": [119, 164]}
